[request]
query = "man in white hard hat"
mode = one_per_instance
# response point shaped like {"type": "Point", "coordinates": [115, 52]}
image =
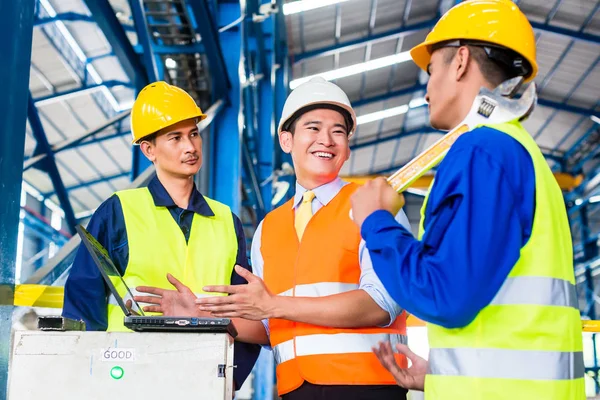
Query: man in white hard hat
{"type": "Point", "coordinates": [314, 287]}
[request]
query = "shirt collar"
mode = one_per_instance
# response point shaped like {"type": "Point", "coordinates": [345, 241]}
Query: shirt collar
{"type": "Point", "coordinates": [324, 193]}
{"type": "Point", "coordinates": [162, 198]}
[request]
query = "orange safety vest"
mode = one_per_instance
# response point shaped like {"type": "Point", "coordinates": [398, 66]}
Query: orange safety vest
{"type": "Point", "coordinates": [326, 262]}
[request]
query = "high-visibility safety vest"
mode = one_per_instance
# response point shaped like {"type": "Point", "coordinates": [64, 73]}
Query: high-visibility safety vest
{"type": "Point", "coordinates": [157, 247]}
{"type": "Point", "coordinates": [325, 262]}
{"type": "Point", "coordinates": [527, 343]}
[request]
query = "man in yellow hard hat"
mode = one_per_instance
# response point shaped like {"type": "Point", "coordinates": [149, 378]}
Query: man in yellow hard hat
{"type": "Point", "coordinates": [492, 269]}
{"type": "Point", "coordinates": [166, 230]}
{"type": "Point", "coordinates": [314, 287]}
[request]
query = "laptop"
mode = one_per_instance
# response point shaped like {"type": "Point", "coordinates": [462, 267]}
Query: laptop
{"type": "Point", "coordinates": [142, 322]}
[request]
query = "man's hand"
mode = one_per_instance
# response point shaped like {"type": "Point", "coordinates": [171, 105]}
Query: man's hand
{"type": "Point", "coordinates": [129, 306]}
{"type": "Point", "coordinates": [171, 303]}
{"type": "Point", "coordinates": [252, 301]}
{"type": "Point", "coordinates": [372, 196]}
{"type": "Point", "coordinates": [410, 378]}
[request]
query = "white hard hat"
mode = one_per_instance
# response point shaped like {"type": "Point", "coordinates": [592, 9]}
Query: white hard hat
{"type": "Point", "coordinates": [317, 91]}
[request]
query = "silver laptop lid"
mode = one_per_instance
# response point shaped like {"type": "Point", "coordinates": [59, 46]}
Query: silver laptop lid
{"type": "Point", "coordinates": [108, 270]}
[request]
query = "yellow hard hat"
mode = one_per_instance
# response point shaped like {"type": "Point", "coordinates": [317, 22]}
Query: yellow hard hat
{"type": "Point", "coordinates": [495, 23]}
{"type": "Point", "coordinates": [160, 105]}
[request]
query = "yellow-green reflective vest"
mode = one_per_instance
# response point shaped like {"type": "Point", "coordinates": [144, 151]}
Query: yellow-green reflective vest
{"type": "Point", "coordinates": [157, 247]}
{"type": "Point", "coordinates": [527, 343]}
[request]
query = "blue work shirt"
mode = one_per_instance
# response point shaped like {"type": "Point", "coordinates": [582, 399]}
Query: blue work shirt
{"type": "Point", "coordinates": [85, 290]}
{"type": "Point", "coordinates": [478, 217]}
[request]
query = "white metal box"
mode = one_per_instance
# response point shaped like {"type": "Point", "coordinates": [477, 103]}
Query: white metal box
{"type": "Point", "coordinates": [120, 365]}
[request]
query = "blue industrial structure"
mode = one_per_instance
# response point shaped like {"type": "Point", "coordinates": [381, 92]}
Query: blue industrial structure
{"type": "Point", "coordinates": [17, 18]}
{"type": "Point", "coordinates": [235, 58]}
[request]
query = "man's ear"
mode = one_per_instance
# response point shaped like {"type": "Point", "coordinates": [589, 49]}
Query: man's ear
{"type": "Point", "coordinates": [148, 148]}
{"type": "Point", "coordinates": [462, 58]}
{"type": "Point", "coordinates": [286, 140]}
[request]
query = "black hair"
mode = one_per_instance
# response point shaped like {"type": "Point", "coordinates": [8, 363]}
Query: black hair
{"type": "Point", "coordinates": [496, 63]}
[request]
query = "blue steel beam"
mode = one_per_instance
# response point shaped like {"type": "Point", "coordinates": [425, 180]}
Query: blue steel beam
{"type": "Point", "coordinates": [402, 134]}
{"type": "Point", "coordinates": [258, 38]}
{"type": "Point", "coordinates": [73, 59]}
{"type": "Point", "coordinates": [590, 16]}
{"type": "Point", "coordinates": [226, 132]}
{"type": "Point", "coordinates": [90, 60]}
{"type": "Point", "coordinates": [62, 47]}
{"type": "Point", "coordinates": [159, 49]}
{"type": "Point", "coordinates": [554, 68]}
{"type": "Point", "coordinates": [567, 33]}
{"type": "Point", "coordinates": [81, 154]}
{"type": "Point", "coordinates": [259, 110]}
{"type": "Point", "coordinates": [571, 131]}
{"type": "Point", "coordinates": [49, 164]}
{"type": "Point", "coordinates": [117, 38]}
{"type": "Point", "coordinates": [70, 143]}
{"type": "Point", "coordinates": [16, 23]}
{"type": "Point", "coordinates": [403, 31]}
{"type": "Point", "coordinates": [566, 99]}
{"type": "Point", "coordinates": [66, 16]}
{"type": "Point", "coordinates": [139, 162]}
{"type": "Point", "coordinates": [416, 131]}
{"type": "Point", "coordinates": [43, 227]}
{"type": "Point", "coordinates": [70, 17]}
{"type": "Point", "coordinates": [592, 154]}
{"type": "Point", "coordinates": [368, 47]}
{"type": "Point", "coordinates": [356, 43]}
{"type": "Point", "coordinates": [386, 96]}
{"type": "Point", "coordinates": [568, 108]}
{"type": "Point", "coordinates": [575, 127]}
{"type": "Point", "coordinates": [582, 139]}
{"type": "Point", "coordinates": [266, 132]}
{"type": "Point", "coordinates": [281, 88]}
{"type": "Point", "coordinates": [554, 10]}
{"type": "Point", "coordinates": [141, 27]}
{"type": "Point", "coordinates": [96, 140]}
{"type": "Point", "coordinates": [543, 102]}
{"type": "Point", "coordinates": [91, 183]}
{"type": "Point", "coordinates": [213, 48]}
{"type": "Point", "coordinates": [58, 96]}
{"type": "Point", "coordinates": [82, 140]}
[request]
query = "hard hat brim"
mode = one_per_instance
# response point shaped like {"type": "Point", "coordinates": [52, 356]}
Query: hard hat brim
{"type": "Point", "coordinates": [420, 55]}
{"type": "Point", "coordinates": [199, 117]}
{"type": "Point", "coordinates": [316, 103]}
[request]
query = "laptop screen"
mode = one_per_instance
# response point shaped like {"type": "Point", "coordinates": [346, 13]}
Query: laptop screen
{"type": "Point", "coordinates": [109, 271]}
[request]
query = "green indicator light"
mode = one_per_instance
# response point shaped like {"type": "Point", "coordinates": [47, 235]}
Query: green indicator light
{"type": "Point", "coordinates": [116, 372]}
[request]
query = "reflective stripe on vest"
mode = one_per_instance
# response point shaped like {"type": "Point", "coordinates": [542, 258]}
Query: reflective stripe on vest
{"type": "Point", "coordinates": [324, 262]}
{"type": "Point", "coordinates": [527, 342]}
{"type": "Point", "coordinates": [340, 343]}
{"type": "Point", "coordinates": [319, 289]}
{"type": "Point", "coordinates": [537, 290]}
{"type": "Point", "coordinates": [506, 364]}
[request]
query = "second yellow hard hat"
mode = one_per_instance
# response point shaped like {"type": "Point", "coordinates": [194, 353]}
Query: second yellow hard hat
{"type": "Point", "coordinates": [495, 22]}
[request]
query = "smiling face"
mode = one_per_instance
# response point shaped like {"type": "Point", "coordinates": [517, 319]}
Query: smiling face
{"type": "Point", "coordinates": [319, 146]}
{"type": "Point", "coordinates": [176, 150]}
